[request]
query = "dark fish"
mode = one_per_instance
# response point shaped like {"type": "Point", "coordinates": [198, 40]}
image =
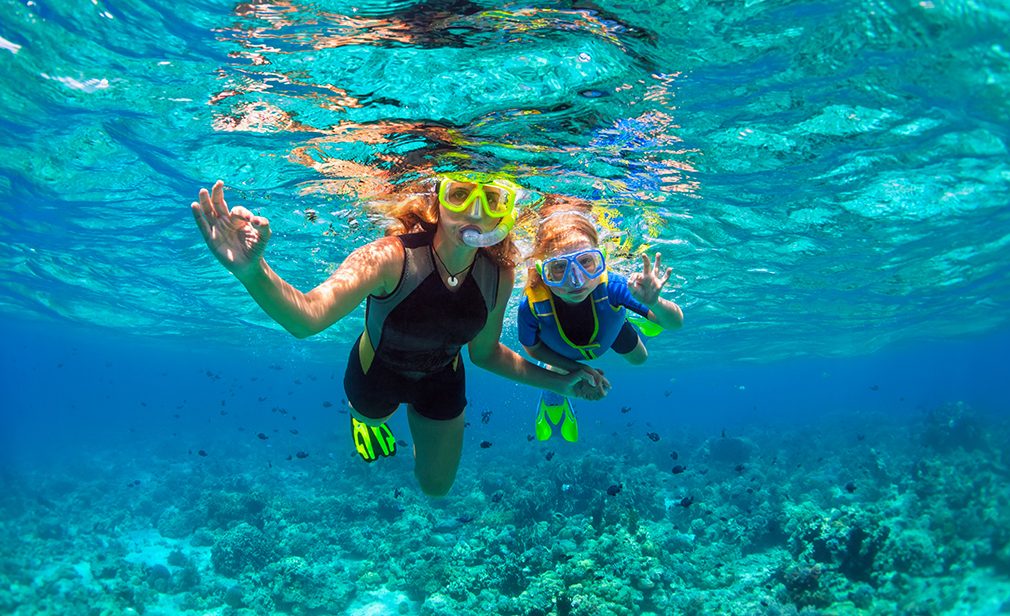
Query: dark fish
{"type": "Point", "coordinates": [674, 455]}
{"type": "Point", "coordinates": [549, 456]}
{"type": "Point", "coordinates": [496, 497]}
{"type": "Point", "coordinates": [398, 492]}
{"type": "Point", "coordinates": [270, 464]}
{"type": "Point", "coordinates": [262, 436]}
{"type": "Point", "coordinates": [202, 453]}
{"type": "Point", "coordinates": [327, 404]}
{"type": "Point", "coordinates": [724, 433]}
{"type": "Point", "coordinates": [667, 393]}
{"type": "Point", "coordinates": [222, 412]}
{"type": "Point", "coordinates": [485, 417]}
{"type": "Point", "coordinates": [176, 415]}
{"type": "Point", "coordinates": [653, 436]}
{"type": "Point", "coordinates": [615, 489]}
{"type": "Point", "coordinates": [289, 457]}
{"type": "Point", "coordinates": [739, 468]}
{"type": "Point", "coordinates": [686, 501]}
{"type": "Point", "coordinates": [301, 455]}
{"type": "Point", "coordinates": [262, 398]}
{"type": "Point", "coordinates": [465, 518]}
{"type": "Point", "coordinates": [680, 468]}
{"type": "Point", "coordinates": [401, 443]}
{"type": "Point", "coordinates": [593, 93]}
{"type": "Point", "coordinates": [485, 444]}
{"type": "Point", "coordinates": [850, 487]}
{"type": "Point", "coordinates": [466, 424]}
{"type": "Point", "coordinates": [293, 431]}
{"type": "Point", "coordinates": [860, 437]}
{"type": "Point", "coordinates": [529, 438]}
{"type": "Point", "coordinates": [625, 409]}
{"type": "Point", "coordinates": [875, 387]}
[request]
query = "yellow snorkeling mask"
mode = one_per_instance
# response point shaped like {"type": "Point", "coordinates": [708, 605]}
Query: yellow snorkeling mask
{"type": "Point", "coordinates": [496, 195]}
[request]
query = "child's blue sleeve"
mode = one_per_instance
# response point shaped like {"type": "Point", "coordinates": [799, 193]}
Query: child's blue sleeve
{"type": "Point", "coordinates": [620, 294]}
{"type": "Point", "coordinates": [529, 329]}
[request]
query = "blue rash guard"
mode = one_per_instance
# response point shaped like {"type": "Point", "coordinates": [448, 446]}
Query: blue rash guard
{"type": "Point", "coordinates": [605, 310]}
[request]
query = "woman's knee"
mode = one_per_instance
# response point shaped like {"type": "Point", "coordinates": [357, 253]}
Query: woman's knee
{"type": "Point", "coordinates": [434, 486]}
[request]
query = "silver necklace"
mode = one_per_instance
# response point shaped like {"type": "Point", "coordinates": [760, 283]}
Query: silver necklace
{"type": "Point", "coordinates": [452, 279]}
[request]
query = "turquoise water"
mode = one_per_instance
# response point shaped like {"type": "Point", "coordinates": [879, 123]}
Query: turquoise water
{"type": "Point", "coordinates": [828, 180]}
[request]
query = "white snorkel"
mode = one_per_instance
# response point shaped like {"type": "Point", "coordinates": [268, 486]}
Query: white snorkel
{"type": "Point", "coordinates": [476, 239]}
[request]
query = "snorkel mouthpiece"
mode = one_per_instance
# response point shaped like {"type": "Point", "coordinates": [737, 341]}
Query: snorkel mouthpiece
{"type": "Point", "coordinates": [476, 239]}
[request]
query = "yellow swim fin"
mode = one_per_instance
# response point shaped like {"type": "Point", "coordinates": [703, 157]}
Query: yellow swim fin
{"type": "Point", "coordinates": [556, 410]}
{"type": "Point", "coordinates": [372, 441]}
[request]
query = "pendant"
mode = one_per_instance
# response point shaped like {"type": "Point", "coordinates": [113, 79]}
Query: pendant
{"type": "Point", "coordinates": [453, 281]}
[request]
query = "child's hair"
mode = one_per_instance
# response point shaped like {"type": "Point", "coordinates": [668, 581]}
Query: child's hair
{"type": "Point", "coordinates": [418, 211]}
{"type": "Point", "coordinates": [561, 218]}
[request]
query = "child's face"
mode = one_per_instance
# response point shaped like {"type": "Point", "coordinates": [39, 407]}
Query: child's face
{"type": "Point", "coordinates": [574, 291]}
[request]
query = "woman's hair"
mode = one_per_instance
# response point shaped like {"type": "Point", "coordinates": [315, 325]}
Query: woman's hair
{"type": "Point", "coordinates": [561, 218]}
{"type": "Point", "coordinates": [418, 211]}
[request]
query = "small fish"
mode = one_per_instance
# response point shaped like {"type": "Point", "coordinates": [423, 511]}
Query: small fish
{"type": "Point", "coordinates": [680, 468]}
{"type": "Point", "coordinates": [667, 393]}
{"type": "Point", "coordinates": [202, 453]}
{"type": "Point", "coordinates": [874, 387]}
{"type": "Point", "coordinates": [724, 433]}
{"type": "Point", "coordinates": [398, 492]}
{"type": "Point", "coordinates": [850, 487]}
{"type": "Point", "coordinates": [401, 443]}
{"type": "Point", "coordinates": [293, 431]}
{"type": "Point", "coordinates": [674, 455]}
{"type": "Point", "coordinates": [653, 436]}
{"type": "Point", "coordinates": [529, 438]}
{"type": "Point", "coordinates": [262, 436]}
{"type": "Point", "coordinates": [686, 501]}
{"type": "Point", "coordinates": [485, 417]}
{"type": "Point", "coordinates": [593, 93]}
{"type": "Point", "coordinates": [549, 456]}
{"type": "Point", "coordinates": [289, 457]}
{"type": "Point", "coordinates": [625, 409]}
{"type": "Point", "coordinates": [466, 424]}
{"type": "Point", "coordinates": [739, 468]}
{"type": "Point", "coordinates": [496, 497]}
{"type": "Point", "coordinates": [301, 455]}
{"type": "Point", "coordinates": [485, 444]}
{"type": "Point", "coordinates": [860, 437]}
{"type": "Point", "coordinates": [615, 489]}
{"type": "Point", "coordinates": [222, 412]}
{"type": "Point", "coordinates": [262, 398]}
{"type": "Point", "coordinates": [327, 404]}
{"type": "Point", "coordinates": [464, 519]}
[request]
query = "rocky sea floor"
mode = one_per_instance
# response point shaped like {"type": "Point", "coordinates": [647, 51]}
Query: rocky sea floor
{"type": "Point", "coordinates": [862, 514]}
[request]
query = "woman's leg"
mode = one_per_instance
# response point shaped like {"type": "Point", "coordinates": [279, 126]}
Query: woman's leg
{"type": "Point", "coordinates": [438, 446]}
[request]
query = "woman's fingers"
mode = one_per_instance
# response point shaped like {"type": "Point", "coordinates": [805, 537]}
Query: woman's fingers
{"type": "Point", "coordinates": [201, 220]}
{"type": "Point", "coordinates": [217, 198]}
{"type": "Point", "coordinates": [646, 265]}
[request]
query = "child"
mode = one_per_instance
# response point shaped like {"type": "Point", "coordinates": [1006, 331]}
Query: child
{"type": "Point", "coordinates": [575, 309]}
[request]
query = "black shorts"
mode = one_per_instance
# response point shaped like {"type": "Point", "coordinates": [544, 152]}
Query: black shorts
{"type": "Point", "coordinates": [627, 339]}
{"type": "Point", "coordinates": [441, 395]}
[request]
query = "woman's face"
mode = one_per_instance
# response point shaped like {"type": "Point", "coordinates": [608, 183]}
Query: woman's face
{"type": "Point", "coordinates": [574, 291]}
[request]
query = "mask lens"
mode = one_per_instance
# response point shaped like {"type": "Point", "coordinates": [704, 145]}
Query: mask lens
{"type": "Point", "coordinates": [554, 271]}
{"type": "Point", "coordinates": [456, 193]}
{"type": "Point", "coordinates": [498, 200]}
{"type": "Point", "coordinates": [591, 262]}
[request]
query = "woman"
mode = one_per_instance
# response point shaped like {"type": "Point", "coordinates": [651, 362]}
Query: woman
{"type": "Point", "coordinates": [439, 280]}
{"type": "Point", "coordinates": [575, 309]}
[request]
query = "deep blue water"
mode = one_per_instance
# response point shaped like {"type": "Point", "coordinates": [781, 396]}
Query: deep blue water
{"type": "Point", "coordinates": [829, 181]}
